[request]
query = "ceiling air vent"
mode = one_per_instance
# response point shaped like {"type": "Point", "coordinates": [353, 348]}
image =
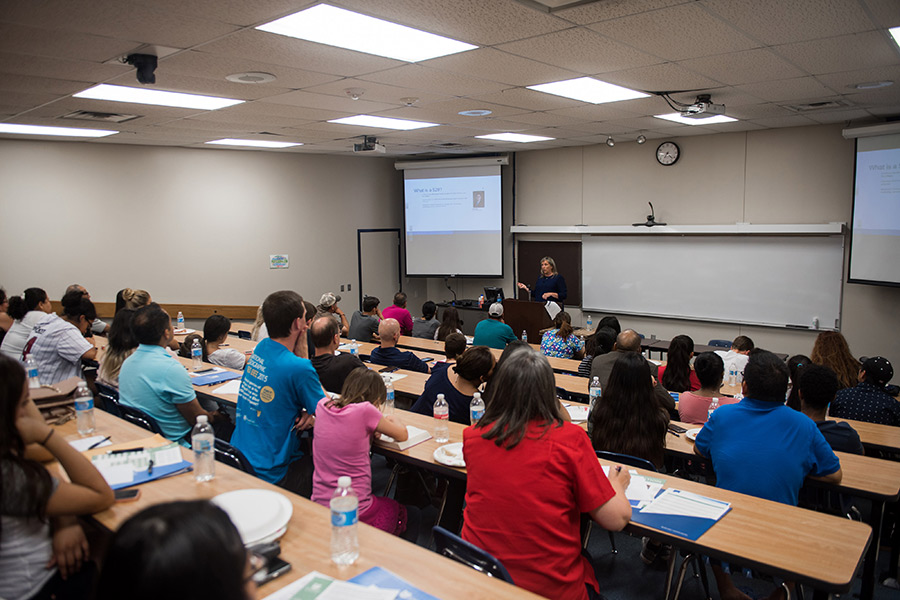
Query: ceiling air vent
{"type": "Point", "coordinates": [827, 104]}
{"type": "Point", "coordinates": [105, 117]}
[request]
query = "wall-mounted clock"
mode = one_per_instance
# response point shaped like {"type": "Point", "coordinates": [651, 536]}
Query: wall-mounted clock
{"type": "Point", "coordinates": [667, 154]}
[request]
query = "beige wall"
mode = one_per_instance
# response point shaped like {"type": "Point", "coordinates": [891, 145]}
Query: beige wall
{"type": "Point", "coordinates": [794, 175]}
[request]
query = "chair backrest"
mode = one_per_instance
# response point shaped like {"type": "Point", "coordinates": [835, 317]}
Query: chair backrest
{"type": "Point", "coordinates": [109, 399]}
{"type": "Point", "coordinates": [627, 459]}
{"type": "Point", "coordinates": [139, 418]}
{"type": "Point", "coordinates": [453, 546]}
{"type": "Point", "coordinates": [232, 457]}
{"type": "Point", "coordinates": [244, 335]}
{"type": "Point", "coordinates": [720, 343]}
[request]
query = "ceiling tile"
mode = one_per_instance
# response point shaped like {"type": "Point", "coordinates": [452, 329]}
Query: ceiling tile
{"type": "Point", "coordinates": [777, 22]}
{"type": "Point", "coordinates": [791, 121]}
{"type": "Point", "coordinates": [375, 92]}
{"type": "Point", "coordinates": [38, 41]}
{"type": "Point", "coordinates": [613, 9]}
{"type": "Point", "coordinates": [425, 78]}
{"type": "Point", "coordinates": [787, 89]}
{"type": "Point", "coordinates": [303, 113]}
{"type": "Point", "coordinates": [39, 85]}
{"type": "Point", "coordinates": [669, 33]}
{"type": "Point", "coordinates": [448, 111]}
{"type": "Point", "coordinates": [528, 99]}
{"type": "Point", "coordinates": [198, 85]}
{"type": "Point", "coordinates": [665, 77]}
{"type": "Point", "coordinates": [204, 64]}
{"type": "Point", "coordinates": [886, 12]}
{"type": "Point", "coordinates": [495, 65]}
{"type": "Point", "coordinates": [842, 53]}
{"type": "Point", "coordinates": [838, 116]}
{"type": "Point", "coordinates": [235, 12]}
{"type": "Point", "coordinates": [841, 82]}
{"type": "Point", "coordinates": [545, 119]}
{"type": "Point", "coordinates": [322, 101]}
{"type": "Point", "coordinates": [56, 68]}
{"type": "Point", "coordinates": [748, 66]}
{"type": "Point", "coordinates": [759, 111]}
{"type": "Point", "coordinates": [594, 112]}
{"type": "Point", "coordinates": [580, 50]}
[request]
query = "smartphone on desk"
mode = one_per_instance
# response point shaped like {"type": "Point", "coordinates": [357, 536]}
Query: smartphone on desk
{"type": "Point", "coordinates": [127, 495]}
{"type": "Point", "coordinates": [677, 428]}
{"type": "Point", "coordinates": [275, 568]}
{"type": "Point", "coordinates": [388, 369]}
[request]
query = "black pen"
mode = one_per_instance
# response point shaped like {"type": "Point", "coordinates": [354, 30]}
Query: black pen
{"type": "Point", "coordinates": [150, 468]}
{"type": "Point", "coordinates": [125, 450]}
{"type": "Point", "coordinates": [106, 439]}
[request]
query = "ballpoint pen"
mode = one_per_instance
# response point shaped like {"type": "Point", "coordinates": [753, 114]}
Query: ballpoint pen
{"type": "Point", "coordinates": [96, 444]}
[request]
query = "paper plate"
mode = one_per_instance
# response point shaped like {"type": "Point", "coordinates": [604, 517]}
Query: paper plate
{"type": "Point", "coordinates": [450, 455]}
{"type": "Point", "coordinates": [259, 515]}
{"type": "Point", "coordinates": [691, 434]}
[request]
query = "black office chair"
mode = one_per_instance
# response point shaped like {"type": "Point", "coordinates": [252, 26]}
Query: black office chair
{"type": "Point", "coordinates": [244, 335]}
{"type": "Point", "coordinates": [109, 399]}
{"type": "Point", "coordinates": [233, 457]}
{"type": "Point", "coordinates": [454, 547]}
{"type": "Point", "coordinates": [139, 418]}
{"type": "Point", "coordinates": [624, 459]}
{"type": "Point", "coordinates": [720, 343]}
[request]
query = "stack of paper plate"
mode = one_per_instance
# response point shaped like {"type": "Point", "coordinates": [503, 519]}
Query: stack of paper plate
{"type": "Point", "coordinates": [450, 455]}
{"type": "Point", "coordinates": [259, 515]}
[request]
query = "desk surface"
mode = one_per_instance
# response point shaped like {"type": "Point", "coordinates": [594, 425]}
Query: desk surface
{"type": "Point", "coordinates": [306, 543]}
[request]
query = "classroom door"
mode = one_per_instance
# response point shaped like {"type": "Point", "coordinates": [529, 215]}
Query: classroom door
{"type": "Point", "coordinates": [379, 264]}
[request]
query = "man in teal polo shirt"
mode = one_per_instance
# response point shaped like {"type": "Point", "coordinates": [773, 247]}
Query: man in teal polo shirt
{"type": "Point", "coordinates": [493, 332]}
{"type": "Point", "coordinates": [152, 380]}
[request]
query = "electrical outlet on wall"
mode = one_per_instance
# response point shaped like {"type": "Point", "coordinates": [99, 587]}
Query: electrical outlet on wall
{"type": "Point", "coordinates": [348, 287]}
{"type": "Point", "coordinates": [342, 288]}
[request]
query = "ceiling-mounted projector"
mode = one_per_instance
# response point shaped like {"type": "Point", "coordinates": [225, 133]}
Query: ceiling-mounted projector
{"type": "Point", "coordinates": [703, 108]}
{"type": "Point", "coordinates": [369, 144]}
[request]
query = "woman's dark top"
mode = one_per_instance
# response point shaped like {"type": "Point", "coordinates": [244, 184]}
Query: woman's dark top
{"type": "Point", "coordinates": [554, 283]}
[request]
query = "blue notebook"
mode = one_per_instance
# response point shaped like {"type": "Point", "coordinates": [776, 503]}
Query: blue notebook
{"type": "Point", "coordinates": [385, 579]}
{"type": "Point", "coordinates": [214, 378]}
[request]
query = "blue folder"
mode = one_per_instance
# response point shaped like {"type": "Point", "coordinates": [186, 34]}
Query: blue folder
{"type": "Point", "coordinates": [214, 378]}
{"type": "Point", "coordinates": [158, 473]}
{"type": "Point", "coordinates": [383, 578]}
{"type": "Point", "coordinates": [690, 528]}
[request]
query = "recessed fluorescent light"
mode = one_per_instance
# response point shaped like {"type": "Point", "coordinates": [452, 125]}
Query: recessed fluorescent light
{"type": "Point", "coordinates": [119, 93]}
{"type": "Point", "coordinates": [588, 89]}
{"type": "Point", "coordinates": [60, 131]}
{"type": "Point", "coordinates": [514, 137]}
{"type": "Point", "coordinates": [383, 122]}
{"type": "Point", "coordinates": [676, 117]}
{"type": "Point", "coordinates": [475, 112]}
{"type": "Point", "coordinates": [895, 32]}
{"type": "Point", "coordinates": [254, 143]}
{"type": "Point", "coordinates": [346, 29]}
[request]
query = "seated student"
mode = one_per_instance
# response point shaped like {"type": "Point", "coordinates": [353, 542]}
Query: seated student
{"type": "Point", "coordinates": [677, 375]}
{"type": "Point", "coordinates": [629, 341]}
{"type": "Point", "coordinates": [831, 350]}
{"type": "Point", "coordinates": [332, 368]}
{"type": "Point", "coordinates": [258, 331]}
{"type": "Point", "coordinates": [278, 397]}
{"type": "Point", "coordinates": [387, 354]}
{"type": "Point", "coordinates": [737, 355]}
{"type": "Point", "coordinates": [817, 388]}
{"type": "Point", "coordinates": [97, 326]}
{"type": "Point", "coordinates": [328, 305]}
{"type": "Point", "coordinates": [869, 401]}
{"type": "Point", "coordinates": [426, 325]}
{"type": "Point", "coordinates": [493, 332]}
{"type": "Point", "coordinates": [796, 365]}
{"type": "Point", "coordinates": [215, 333]}
{"type": "Point", "coordinates": [454, 346]}
{"type": "Point", "coordinates": [450, 323]}
{"type": "Point", "coordinates": [135, 299]}
{"type": "Point", "coordinates": [611, 322]}
{"type": "Point", "coordinates": [57, 344]}
{"type": "Point", "coordinates": [458, 384]}
{"type": "Point", "coordinates": [5, 320]}
{"type": "Point", "coordinates": [121, 345]}
{"type": "Point", "coordinates": [179, 551]}
{"type": "Point", "coordinates": [534, 529]}
{"type": "Point", "coordinates": [598, 344]}
{"type": "Point", "coordinates": [43, 547]}
{"type": "Point", "coordinates": [693, 407]}
{"type": "Point", "coordinates": [344, 430]}
{"type": "Point", "coordinates": [151, 380]}
{"type": "Point", "coordinates": [364, 323]}
{"type": "Point", "coordinates": [762, 448]}
{"type": "Point", "coordinates": [26, 310]}
{"type": "Point", "coordinates": [561, 341]}
{"type": "Point", "coordinates": [398, 312]}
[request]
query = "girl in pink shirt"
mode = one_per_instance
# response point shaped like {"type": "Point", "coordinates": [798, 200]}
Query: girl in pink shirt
{"type": "Point", "coordinates": [345, 427]}
{"type": "Point", "coordinates": [693, 407]}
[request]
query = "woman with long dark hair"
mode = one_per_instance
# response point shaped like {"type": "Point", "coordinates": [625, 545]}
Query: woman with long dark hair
{"type": "Point", "coordinates": [32, 500]}
{"type": "Point", "coordinates": [450, 323]}
{"type": "Point", "coordinates": [628, 418]}
{"type": "Point", "coordinates": [523, 438]}
{"type": "Point", "coordinates": [458, 384]}
{"type": "Point", "coordinates": [122, 344]}
{"type": "Point", "coordinates": [26, 311]}
{"type": "Point", "coordinates": [57, 344]}
{"type": "Point", "coordinates": [677, 375]}
{"type": "Point", "coordinates": [796, 365]}
{"type": "Point", "coordinates": [561, 341]}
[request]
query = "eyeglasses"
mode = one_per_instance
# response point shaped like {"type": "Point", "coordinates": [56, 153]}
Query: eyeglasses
{"type": "Point", "coordinates": [259, 568]}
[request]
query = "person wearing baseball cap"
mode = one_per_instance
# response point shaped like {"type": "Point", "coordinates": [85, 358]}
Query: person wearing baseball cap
{"type": "Point", "coordinates": [328, 305]}
{"type": "Point", "coordinates": [493, 332]}
{"type": "Point", "coordinates": [869, 401]}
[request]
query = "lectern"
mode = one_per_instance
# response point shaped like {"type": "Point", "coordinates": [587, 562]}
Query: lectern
{"type": "Point", "coordinates": [530, 316]}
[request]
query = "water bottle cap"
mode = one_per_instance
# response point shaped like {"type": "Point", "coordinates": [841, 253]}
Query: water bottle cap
{"type": "Point", "coordinates": [476, 395]}
{"type": "Point", "coordinates": [440, 396]}
{"type": "Point", "coordinates": [202, 419]}
{"type": "Point", "coordinates": [344, 481]}
{"type": "Point", "coordinates": [82, 384]}
{"type": "Point", "coordinates": [597, 379]}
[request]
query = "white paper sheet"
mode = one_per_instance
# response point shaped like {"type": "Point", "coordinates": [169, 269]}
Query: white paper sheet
{"type": "Point", "coordinates": [395, 376]}
{"type": "Point", "coordinates": [552, 308]}
{"type": "Point", "coordinates": [229, 387]}
{"type": "Point", "coordinates": [687, 504]}
{"type": "Point", "coordinates": [85, 443]}
{"type": "Point", "coordinates": [322, 587]}
{"type": "Point", "coordinates": [640, 489]}
{"type": "Point", "coordinates": [578, 413]}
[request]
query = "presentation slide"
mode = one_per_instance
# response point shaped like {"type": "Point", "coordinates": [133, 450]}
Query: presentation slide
{"type": "Point", "coordinates": [453, 221]}
{"type": "Point", "coordinates": [875, 235]}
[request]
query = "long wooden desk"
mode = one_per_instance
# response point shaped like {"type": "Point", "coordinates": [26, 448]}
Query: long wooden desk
{"type": "Point", "coordinates": [306, 543]}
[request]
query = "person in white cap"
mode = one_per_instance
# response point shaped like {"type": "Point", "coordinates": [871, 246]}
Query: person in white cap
{"type": "Point", "coordinates": [328, 305]}
{"type": "Point", "coordinates": [493, 332]}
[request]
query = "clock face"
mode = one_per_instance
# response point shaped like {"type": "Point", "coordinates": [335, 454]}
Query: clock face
{"type": "Point", "coordinates": [667, 153]}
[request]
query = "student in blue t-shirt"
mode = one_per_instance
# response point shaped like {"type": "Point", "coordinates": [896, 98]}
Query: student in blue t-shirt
{"type": "Point", "coordinates": [278, 397]}
{"type": "Point", "coordinates": [763, 448]}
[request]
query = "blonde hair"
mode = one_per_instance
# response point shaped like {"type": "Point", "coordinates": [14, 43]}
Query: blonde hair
{"type": "Point", "coordinates": [552, 263]}
{"type": "Point", "coordinates": [135, 298]}
{"type": "Point", "coordinates": [257, 325]}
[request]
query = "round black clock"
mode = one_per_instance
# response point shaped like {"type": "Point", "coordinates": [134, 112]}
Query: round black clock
{"type": "Point", "coordinates": [667, 154]}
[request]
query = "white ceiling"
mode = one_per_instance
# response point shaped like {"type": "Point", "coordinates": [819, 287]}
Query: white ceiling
{"type": "Point", "coordinates": [755, 57]}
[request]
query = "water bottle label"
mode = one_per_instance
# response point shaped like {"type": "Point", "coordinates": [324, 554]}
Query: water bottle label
{"type": "Point", "coordinates": [390, 396]}
{"type": "Point", "coordinates": [32, 372]}
{"type": "Point", "coordinates": [442, 417]}
{"type": "Point", "coordinates": [84, 404]}
{"type": "Point", "coordinates": [197, 353]}
{"type": "Point", "coordinates": [477, 414]}
{"type": "Point", "coordinates": [202, 445]}
{"type": "Point", "coordinates": [343, 518]}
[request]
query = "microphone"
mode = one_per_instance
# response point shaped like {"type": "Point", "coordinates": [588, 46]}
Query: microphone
{"type": "Point", "coordinates": [651, 219]}
{"type": "Point", "coordinates": [447, 283]}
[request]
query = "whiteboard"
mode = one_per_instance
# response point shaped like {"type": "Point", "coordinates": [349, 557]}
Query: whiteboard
{"type": "Point", "coordinates": [780, 281]}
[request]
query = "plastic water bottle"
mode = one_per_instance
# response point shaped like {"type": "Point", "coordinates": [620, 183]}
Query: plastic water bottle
{"type": "Point", "coordinates": [524, 336]}
{"type": "Point", "coordinates": [476, 408]}
{"type": "Point", "coordinates": [594, 393]}
{"type": "Point", "coordinates": [84, 409]}
{"type": "Point", "coordinates": [180, 321]}
{"type": "Point", "coordinates": [732, 374]}
{"type": "Point", "coordinates": [197, 354]}
{"type": "Point", "coordinates": [441, 418]}
{"type": "Point", "coordinates": [389, 397]}
{"type": "Point", "coordinates": [344, 540]}
{"type": "Point", "coordinates": [203, 441]}
{"type": "Point", "coordinates": [590, 322]}
{"type": "Point", "coordinates": [712, 407]}
{"type": "Point", "coordinates": [34, 380]}
{"type": "Point", "coordinates": [354, 348]}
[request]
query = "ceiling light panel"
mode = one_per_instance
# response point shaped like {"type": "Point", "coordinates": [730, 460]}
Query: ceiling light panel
{"type": "Point", "coordinates": [895, 33]}
{"type": "Point", "coordinates": [588, 89]}
{"type": "Point", "coordinates": [334, 26]}
{"type": "Point", "coordinates": [57, 131]}
{"type": "Point", "coordinates": [254, 143]}
{"type": "Point", "coordinates": [119, 93]}
{"type": "Point", "coordinates": [514, 137]}
{"type": "Point", "coordinates": [383, 122]}
{"type": "Point", "coordinates": [677, 118]}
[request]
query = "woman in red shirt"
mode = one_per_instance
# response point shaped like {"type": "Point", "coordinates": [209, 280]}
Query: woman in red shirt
{"type": "Point", "coordinates": [530, 476]}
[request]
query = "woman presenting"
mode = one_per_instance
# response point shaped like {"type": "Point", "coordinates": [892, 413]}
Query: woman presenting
{"type": "Point", "coordinates": [550, 285]}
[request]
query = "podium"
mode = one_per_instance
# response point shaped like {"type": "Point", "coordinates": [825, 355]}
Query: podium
{"type": "Point", "coordinates": [530, 316]}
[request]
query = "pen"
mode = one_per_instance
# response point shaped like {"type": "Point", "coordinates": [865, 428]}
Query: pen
{"type": "Point", "coordinates": [673, 433]}
{"type": "Point", "coordinates": [619, 469]}
{"type": "Point", "coordinates": [106, 439]}
{"type": "Point", "coordinates": [125, 450]}
{"type": "Point", "coordinates": [150, 468]}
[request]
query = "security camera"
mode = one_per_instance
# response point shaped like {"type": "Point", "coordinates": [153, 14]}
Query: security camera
{"type": "Point", "coordinates": [145, 65]}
